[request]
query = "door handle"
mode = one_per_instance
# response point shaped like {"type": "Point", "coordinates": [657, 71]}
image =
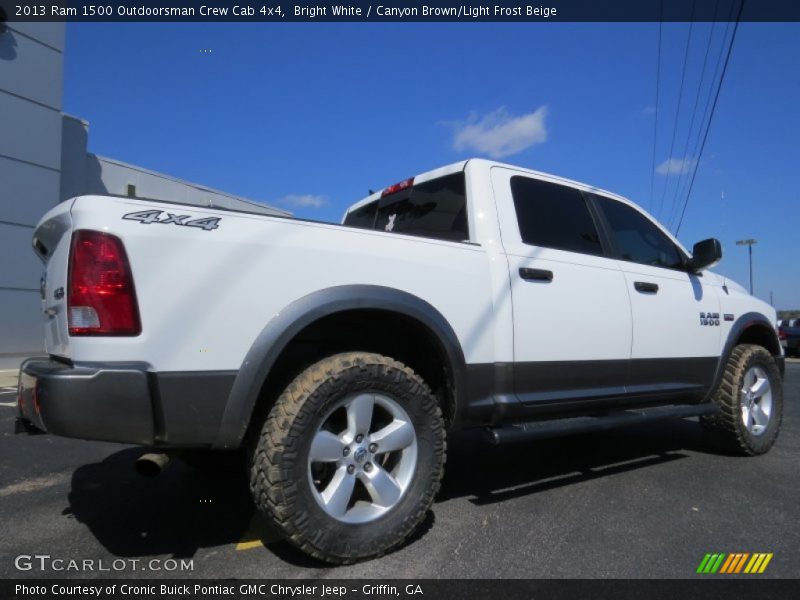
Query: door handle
{"type": "Point", "coordinates": [535, 274]}
{"type": "Point", "coordinates": [646, 286]}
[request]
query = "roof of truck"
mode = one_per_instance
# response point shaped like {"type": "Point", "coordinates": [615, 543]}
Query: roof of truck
{"type": "Point", "coordinates": [461, 165]}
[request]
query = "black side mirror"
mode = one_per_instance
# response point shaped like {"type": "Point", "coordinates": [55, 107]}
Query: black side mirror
{"type": "Point", "coordinates": [705, 254]}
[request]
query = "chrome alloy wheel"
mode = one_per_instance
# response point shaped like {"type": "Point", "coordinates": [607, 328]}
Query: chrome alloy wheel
{"type": "Point", "coordinates": [756, 396]}
{"type": "Point", "coordinates": [362, 458]}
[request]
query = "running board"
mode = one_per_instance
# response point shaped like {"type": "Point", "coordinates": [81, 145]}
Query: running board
{"type": "Point", "coordinates": [539, 430]}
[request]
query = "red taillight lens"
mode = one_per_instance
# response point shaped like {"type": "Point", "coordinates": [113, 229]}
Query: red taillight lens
{"type": "Point", "coordinates": [781, 334]}
{"type": "Point", "coordinates": [397, 187]}
{"type": "Point", "coordinates": [102, 299]}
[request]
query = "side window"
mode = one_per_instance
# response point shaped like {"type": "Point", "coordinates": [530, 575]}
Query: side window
{"type": "Point", "coordinates": [637, 238]}
{"type": "Point", "coordinates": [554, 216]}
{"type": "Point", "coordinates": [363, 217]}
{"type": "Point", "coordinates": [435, 209]}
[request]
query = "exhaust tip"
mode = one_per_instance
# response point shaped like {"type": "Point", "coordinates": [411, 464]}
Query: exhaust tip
{"type": "Point", "coordinates": [151, 464]}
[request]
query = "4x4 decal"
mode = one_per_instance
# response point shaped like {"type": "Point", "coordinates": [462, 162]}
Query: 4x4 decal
{"type": "Point", "coordinates": [146, 217]}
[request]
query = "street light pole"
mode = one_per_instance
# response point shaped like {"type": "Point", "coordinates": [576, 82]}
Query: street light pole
{"type": "Point", "coordinates": [749, 243]}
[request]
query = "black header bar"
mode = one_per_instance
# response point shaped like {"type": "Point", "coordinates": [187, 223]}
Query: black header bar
{"type": "Point", "coordinates": [708, 588]}
{"type": "Point", "coordinates": [377, 11]}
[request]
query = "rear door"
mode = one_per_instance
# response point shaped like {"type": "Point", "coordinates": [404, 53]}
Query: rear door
{"type": "Point", "coordinates": [676, 320]}
{"type": "Point", "coordinates": [572, 319]}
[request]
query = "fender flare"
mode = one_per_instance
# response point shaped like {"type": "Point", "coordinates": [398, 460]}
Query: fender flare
{"type": "Point", "coordinates": [744, 322]}
{"type": "Point", "coordinates": [285, 325]}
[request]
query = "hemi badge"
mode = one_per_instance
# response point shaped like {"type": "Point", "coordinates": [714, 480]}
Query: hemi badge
{"type": "Point", "coordinates": [728, 317]}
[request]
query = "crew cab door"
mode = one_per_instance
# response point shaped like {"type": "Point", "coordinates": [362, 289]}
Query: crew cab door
{"type": "Point", "coordinates": [571, 310]}
{"type": "Point", "coordinates": [676, 320]}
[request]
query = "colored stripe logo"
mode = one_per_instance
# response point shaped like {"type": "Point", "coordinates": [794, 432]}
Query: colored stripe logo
{"type": "Point", "coordinates": [734, 563]}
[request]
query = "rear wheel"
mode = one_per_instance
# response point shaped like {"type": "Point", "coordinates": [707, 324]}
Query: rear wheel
{"type": "Point", "coordinates": [350, 457]}
{"type": "Point", "coordinates": [750, 397]}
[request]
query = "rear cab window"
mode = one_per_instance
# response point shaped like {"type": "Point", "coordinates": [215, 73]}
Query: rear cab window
{"type": "Point", "coordinates": [435, 209]}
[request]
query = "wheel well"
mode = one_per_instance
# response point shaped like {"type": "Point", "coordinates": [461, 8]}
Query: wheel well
{"type": "Point", "coordinates": [384, 332]}
{"type": "Point", "coordinates": [760, 335]}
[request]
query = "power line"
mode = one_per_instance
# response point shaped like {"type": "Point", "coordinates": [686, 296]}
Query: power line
{"type": "Point", "coordinates": [655, 121]}
{"type": "Point", "coordinates": [711, 87]}
{"type": "Point", "coordinates": [713, 84]}
{"type": "Point", "coordinates": [677, 109]}
{"type": "Point", "coordinates": [711, 116]}
{"type": "Point", "coordinates": [678, 184]}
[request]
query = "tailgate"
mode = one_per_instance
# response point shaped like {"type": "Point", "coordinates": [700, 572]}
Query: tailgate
{"type": "Point", "coordinates": [51, 242]}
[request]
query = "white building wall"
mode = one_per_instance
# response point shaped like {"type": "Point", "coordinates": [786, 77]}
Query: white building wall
{"type": "Point", "coordinates": [43, 160]}
{"type": "Point", "coordinates": [31, 74]}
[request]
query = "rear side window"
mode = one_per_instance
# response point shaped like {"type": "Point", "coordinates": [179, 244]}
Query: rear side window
{"type": "Point", "coordinates": [434, 209]}
{"type": "Point", "coordinates": [554, 216]}
{"type": "Point", "coordinates": [637, 238]}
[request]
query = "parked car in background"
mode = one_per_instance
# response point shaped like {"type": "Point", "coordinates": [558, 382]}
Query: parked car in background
{"type": "Point", "coordinates": [789, 335]}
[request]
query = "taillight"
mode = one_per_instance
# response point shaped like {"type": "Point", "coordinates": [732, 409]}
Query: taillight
{"type": "Point", "coordinates": [397, 187]}
{"type": "Point", "coordinates": [781, 334]}
{"type": "Point", "coordinates": [102, 299]}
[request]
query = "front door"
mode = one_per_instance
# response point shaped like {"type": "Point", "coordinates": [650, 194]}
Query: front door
{"type": "Point", "coordinates": [676, 316]}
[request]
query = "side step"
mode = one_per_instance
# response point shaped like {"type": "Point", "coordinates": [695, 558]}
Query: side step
{"type": "Point", "coordinates": [539, 430]}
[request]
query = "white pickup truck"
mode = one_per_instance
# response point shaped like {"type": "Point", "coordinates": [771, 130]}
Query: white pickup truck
{"type": "Point", "coordinates": [338, 355]}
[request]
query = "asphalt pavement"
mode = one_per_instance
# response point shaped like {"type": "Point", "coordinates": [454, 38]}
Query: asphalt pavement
{"type": "Point", "coordinates": [642, 502]}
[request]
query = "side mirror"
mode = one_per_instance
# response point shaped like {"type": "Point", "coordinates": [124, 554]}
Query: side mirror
{"type": "Point", "coordinates": [705, 254]}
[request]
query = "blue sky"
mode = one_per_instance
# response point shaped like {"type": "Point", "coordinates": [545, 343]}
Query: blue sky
{"type": "Point", "coordinates": [310, 116]}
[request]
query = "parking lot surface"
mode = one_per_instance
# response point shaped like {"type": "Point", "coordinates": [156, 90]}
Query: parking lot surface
{"type": "Point", "coordinates": [641, 502]}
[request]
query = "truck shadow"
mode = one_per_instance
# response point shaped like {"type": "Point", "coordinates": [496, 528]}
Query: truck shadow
{"type": "Point", "coordinates": [176, 513]}
{"type": "Point", "coordinates": [184, 510]}
{"type": "Point", "coordinates": [487, 474]}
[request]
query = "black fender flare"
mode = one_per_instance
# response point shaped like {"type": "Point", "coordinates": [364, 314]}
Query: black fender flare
{"type": "Point", "coordinates": [739, 326]}
{"type": "Point", "coordinates": [295, 317]}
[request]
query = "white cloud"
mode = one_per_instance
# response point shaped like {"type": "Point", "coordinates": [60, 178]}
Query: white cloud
{"type": "Point", "coordinates": [303, 201]}
{"type": "Point", "coordinates": [500, 133]}
{"type": "Point", "coordinates": [676, 166]}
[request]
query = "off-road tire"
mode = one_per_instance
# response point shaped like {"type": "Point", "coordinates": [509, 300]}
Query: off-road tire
{"type": "Point", "coordinates": [279, 479]}
{"type": "Point", "coordinates": [726, 429]}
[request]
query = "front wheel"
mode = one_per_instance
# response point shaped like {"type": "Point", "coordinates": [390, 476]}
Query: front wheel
{"type": "Point", "coordinates": [750, 397]}
{"type": "Point", "coordinates": [350, 457]}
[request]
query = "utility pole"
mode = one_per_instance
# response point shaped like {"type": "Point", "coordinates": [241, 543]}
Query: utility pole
{"type": "Point", "coordinates": [749, 243]}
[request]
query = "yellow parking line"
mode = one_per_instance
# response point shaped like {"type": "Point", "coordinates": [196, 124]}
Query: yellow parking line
{"type": "Point", "coordinates": [256, 535]}
{"type": "Point", "coordinates": [249, 545]}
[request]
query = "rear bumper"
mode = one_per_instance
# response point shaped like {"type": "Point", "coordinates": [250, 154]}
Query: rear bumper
{"type": "Point", "coordinates": [122, 403]}
{"type": "Point", "coordinates": [108, 404]}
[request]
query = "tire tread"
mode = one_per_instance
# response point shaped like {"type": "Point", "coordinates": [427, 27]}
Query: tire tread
{"type": "Point", "coordinates": [271, 481]}
{"type": "Point", "coordinates": [725, 427]}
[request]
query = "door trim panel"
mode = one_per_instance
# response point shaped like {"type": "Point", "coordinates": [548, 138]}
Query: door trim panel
{"type": "Point", "coordinates": [547, 389]}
